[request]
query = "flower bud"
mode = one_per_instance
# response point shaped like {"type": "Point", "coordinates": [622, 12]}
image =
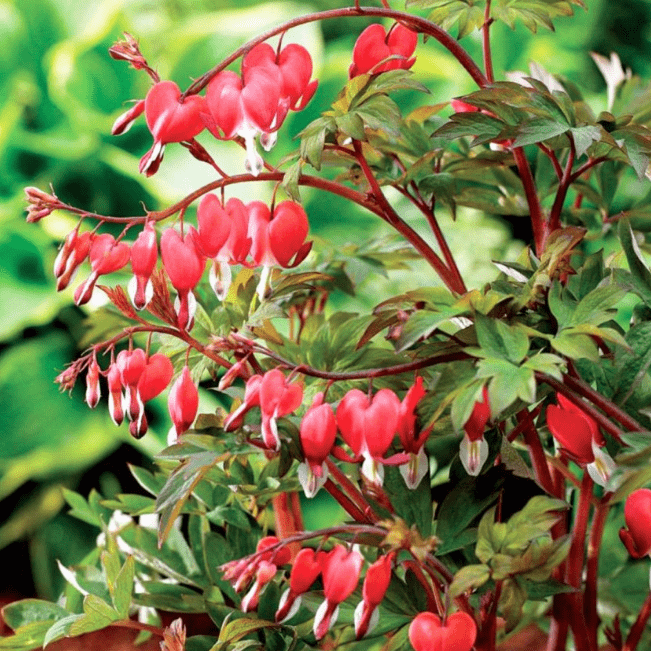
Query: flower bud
{"type": "Point", "coordinates": [637, 515]}
{"type": "Point", "coordinates": [183, 403]}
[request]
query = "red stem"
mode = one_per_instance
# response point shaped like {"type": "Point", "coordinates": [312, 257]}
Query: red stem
{"type": "Point", "coordinates": [138, 626]}
{"type": "Point", "coordinates": [638, 627]}
{"type": "Point", "coordinates": [538, 224]}
{"type": "Point", "coordinates": [288, 519]}
{"type": "Point", "coordinates": [561, 193]}
{"type": "Point", "coordinates": [347, 504]}
{"type": "Point", "coordinates": [536, 451]}
{"type": "Point", "coordinates": [453, 281]}
{"type": "Point", "coordinates": [592, 568]}
{"type": "Point", "coordinates": [432, 602]}
{"type": "Point", "coordinates": [352, 491]}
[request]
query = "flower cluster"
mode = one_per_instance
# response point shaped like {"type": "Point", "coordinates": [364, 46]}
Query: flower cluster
{"type": "Point", "coordinates": [133, 379]}
{"type": "Point", "coordinates": [340, 571]}
{"type": "Point", "coordinates": [271, 84]}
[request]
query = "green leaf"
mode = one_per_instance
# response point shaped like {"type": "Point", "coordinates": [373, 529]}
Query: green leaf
{"type": "Point", "coordinates": [539, 130]}
{"type": "Point", "coordinates": [60, 629]}
{"type": "Point", "coordinates": [413, 506]}
{"type": "Point", "coordinates": [597, 306]}
{"type": "Point", "coordinates": [124, 587]}
{"type": "Point", "coordinates": [508, 382]}
{"type": "Point", "coordinates": [576, 346]}
{"type": "Point", "coordinates": [24, 612]}
{"type": "Point", "coordinates": [179, 486]}
{"type": "Point", "coordinates": [28, 637]}
{"type": "Point", "coordinates": [467, 578]}
{"type": "Point", "coordinates": [584, 137]}
{"type": "Point", "coordinates": [498, 339]}
{"type": "Point", "coordinates": [467, 500]}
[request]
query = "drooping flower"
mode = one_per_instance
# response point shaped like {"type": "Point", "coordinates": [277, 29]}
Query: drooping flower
{"type": "Point", "coordinates": [106, 256]}
{"type": "Point", "coordinates": [340, 569]}
{"type": "Point", "coordinates": [169, 120]}
{"type": "Point", "coordinates": [251, 399]}
{"type": "Point", "coordinates": [74, 251]}
{"type": "Point", "coordinates": [223, 237]}
{"type": "Point", "coordinates": [580, 439]}
{"type": "Point", "coordinates": [317, 435]}
{"type": "Point", "coordinates": [93, 390]}
{"type": "Point", "coordinates": [144, 255]}
{"type": "Point", "coordinates": [416, 467]}
{"type": "Point", "coordinates": [182, 403]}
{"type": "Point", "coordinates": [116, 407]}
{"type": "Point", "coordinates": [473, 450]}
{"type": "Point", "coordinates": [276, 238]}
{"type": "Point", "coordinates": [428, 633]}
{"type": "Point", "coordinates": [368, 427]}
{"type": "Point", "coordinates": [277, 398]}
{"type": "Point", "coordinates": [637, 515]}
{"type": "Point", "coordinates": [305, 570]}
{"type": "Point", "coordinates": [184, 265]}
{"type": "Point", "coordinates": [376, 583]}
{"type": "Point", "coordinates": [374, 45]}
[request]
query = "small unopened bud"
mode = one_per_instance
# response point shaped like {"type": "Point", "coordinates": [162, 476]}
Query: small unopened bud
{"type": "Point", "coordinates": [93, 391]}
{"type": "Point", "coordinates": [39, 204]}
{"type": "Point", "coordinates": [67, 378]}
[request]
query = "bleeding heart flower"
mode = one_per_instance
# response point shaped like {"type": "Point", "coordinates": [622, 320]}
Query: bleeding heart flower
{"type": "Point", "coordinates": [183, 403]}
{"type": "Point", "coordinates": [251, 399]}
{"type": "Point", "coordinates": [637, 515]}
{"type": "Point", "coordinates": [580, 439]}
{"type": "Point", "coordinates": [473, 450]}
{"type": "Point", "coordinates": [169, 120]}
{"type": "Point", "coordinates": [116, 407]}
{"type": "Point", "coordinates": [376, 583]}
{"type": "Point", "coordinates": [276, 238]}
{"type": "Point", "coordinates": [244, 107]}
{"type": "Point", "coordinates": [106, 256]}
{"type": "Point", "coordinates": [305, 570]}
{"type": "Point", "coordinates": [277, 398]}
{"type": "Point", "coordinates": [368, 427]}
{"type": "Point", "coordinates": [416, 468]}
{"type": "Point", "coordinates": [374, 45]}
{"type": "Point", "coordinates": [295, 65]}
{"type": "Point", "coordinates": [131, 364]}
{"type": "Point", "coordinates": [155, 377]}
{"type": "Point", "coordinates": [340, 569]}
{"type": "Point", "coordinates": [317, 434]}
{"type": "Point", "coordinates": [428, 633]}
{"type": "Point", "coordinates": [222, 236]}
{"type": "Point", "coordinates": [144, 255]}
{"type": "Point", "coordinates": [184, 265]}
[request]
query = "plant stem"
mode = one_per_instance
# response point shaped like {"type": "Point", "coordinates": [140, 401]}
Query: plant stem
{"type": "Point", "coordinates": [563, 187]}
{"type": "Point", "coordinates": [638, 627]}
{"type": "Point", "coordinates": [486, 43]}
{"type": "Point", "coordinates": [592, 567]}
{"type": "Point", "coordinates": [538, 456]}
{"type": "Point", "coordinates": [138, 626]}
{"type": "Point", "coordinates": [351, 491]}
{"type": "Point", "coordinates": [538, 224]}
{"type": "Point", "coordinates": [453, 281]}
{"type": "Point", "coordinates": [288, 518]}
{"type": "Point", "coordinates": [346, 503]}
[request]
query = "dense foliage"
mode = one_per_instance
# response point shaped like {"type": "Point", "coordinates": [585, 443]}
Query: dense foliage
{"type": "Point", "coordinates": [479, 441]}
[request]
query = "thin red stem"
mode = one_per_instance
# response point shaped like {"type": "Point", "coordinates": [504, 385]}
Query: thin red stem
{"type": "Point", "coordinates": [346, 503]}
{"type": "Point", "coordinates": [536, 451]}
{"type": "Point", "coordinates": [538, 224]}
{"type": "Point", "coordinates": [592, 568]}
{"type": "Point", "coordinates": [561, 193]}
{"type": "Point", "coordinates": [351, 491]}
{"type": "Point", "coordinates": [638, 627]}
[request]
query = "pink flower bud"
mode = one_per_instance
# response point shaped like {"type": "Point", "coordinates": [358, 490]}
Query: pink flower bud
{"type": "Point", "coordinates": [183, 403]}
{"type": "Point", "coordinates": [93, 391]}
{"type": "Point", "coordinates": [144, 255]}
{"type": "Point", "coordinates": [125, 121]}
{"type": "Point", "coordinates": [74, 251]}
{"type": "Point", "coordinates": [251, 399]}
{"type": "Point", "coordinates": [116, 409]}
{"type": "Point", "coordinates": [637, 515]}
{"type": "Point", "coordinates": [374, 45]}
{"type": "Point", "coordinates": [428, 633]}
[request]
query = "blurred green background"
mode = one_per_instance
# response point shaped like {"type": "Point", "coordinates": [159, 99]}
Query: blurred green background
{"type": "Point", "coordinates": [59, 95]}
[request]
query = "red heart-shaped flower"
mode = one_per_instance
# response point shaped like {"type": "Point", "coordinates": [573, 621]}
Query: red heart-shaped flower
{"type": "Point", "coordinates": [168, 119]}
{"type": "Point", "coordinates": [155, 377]}
{"type": "Point", "coordinates": [428, 633]}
